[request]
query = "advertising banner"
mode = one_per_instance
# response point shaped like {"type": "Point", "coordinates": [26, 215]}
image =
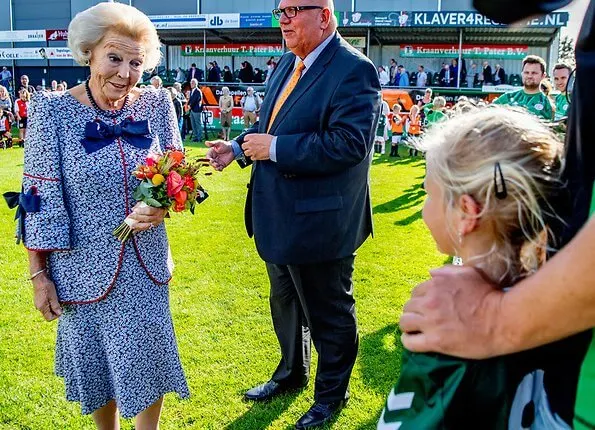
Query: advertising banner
{"type": "Point", "coordinates": [23, 36]}
{"type": "Point", "coordinates": [224, 20]}
{"type": "Point", "coordinates": [35, 54]}
{"type": "Point", "coordinates": [439, 19]}
{"type": "Point", "coordinates": [55, 35]}
{"type": "Point", "coordinates": [169, 22]}
{"type": "Point", "coordinates": [427, 50]}
{"type": "Point", "coordinates": [356, 42]}
{"type": "Point", "coordinates": [229, 49]}
{"type": "Point", "coordinates": [256, 20]}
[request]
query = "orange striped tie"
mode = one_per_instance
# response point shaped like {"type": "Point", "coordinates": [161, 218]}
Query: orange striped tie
{"type": "Point", "coordinates": [297, 73]}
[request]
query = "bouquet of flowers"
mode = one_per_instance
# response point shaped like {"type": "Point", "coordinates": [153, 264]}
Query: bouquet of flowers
{"type": "Point", "coordinates": [167, 181]}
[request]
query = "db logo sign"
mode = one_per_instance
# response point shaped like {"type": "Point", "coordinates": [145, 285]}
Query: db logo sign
{"type": "Point", "coordinates": [216, 21]}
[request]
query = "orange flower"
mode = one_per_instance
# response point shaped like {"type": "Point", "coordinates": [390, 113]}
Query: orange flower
{"type": "Point", "coordinates": [179, 207]}
{"type": "Point", "coordinates": [177, 157]}
{"type": "Point", "coordinates": [181, 197]}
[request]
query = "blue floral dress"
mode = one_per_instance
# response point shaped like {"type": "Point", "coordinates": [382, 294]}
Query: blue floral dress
{"type": "Point", "coordinates": [115, 337]}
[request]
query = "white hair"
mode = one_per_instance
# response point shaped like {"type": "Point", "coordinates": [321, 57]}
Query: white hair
{"type": "Point", "coordinates": [157, 79]}
{"type": "Point", "coordinates": [195, 81]}
{"type": "Point", "coordinates": [89, 27]}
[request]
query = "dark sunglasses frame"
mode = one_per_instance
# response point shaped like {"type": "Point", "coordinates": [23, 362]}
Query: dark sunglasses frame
{"type": "Point", "coordinates": [277, 12]}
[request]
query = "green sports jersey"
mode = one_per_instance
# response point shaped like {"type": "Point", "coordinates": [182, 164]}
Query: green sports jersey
{"type": "Point", "coordinates": [434, 116]}
{"type": "Point", "coordinates": [584, 418]}
{"type": "Point", "coordinates": [438, 392]}
{"type": "Point", "coordinates": [380, 130]}
{"type": "Point", "coordinates": [538, 104]}
{"type": "Point", "coordinates": [562, 105]}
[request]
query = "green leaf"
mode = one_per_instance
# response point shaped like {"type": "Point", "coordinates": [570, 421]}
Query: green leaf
{"type": "Point", "coordinates": [153, 202]}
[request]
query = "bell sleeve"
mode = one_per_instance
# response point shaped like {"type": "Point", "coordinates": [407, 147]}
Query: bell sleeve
{"type": "Point", "coordinates": [49, 228]}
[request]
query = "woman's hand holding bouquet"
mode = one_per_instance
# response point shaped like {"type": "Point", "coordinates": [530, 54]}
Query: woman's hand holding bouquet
{"type": "Point", "coordinates": [168, 182]}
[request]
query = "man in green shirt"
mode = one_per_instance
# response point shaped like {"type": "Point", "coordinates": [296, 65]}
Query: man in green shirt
{"type": "Point", "coordinates": [561, 74]}
{"type": "Point", "coordinates": [530, 96]}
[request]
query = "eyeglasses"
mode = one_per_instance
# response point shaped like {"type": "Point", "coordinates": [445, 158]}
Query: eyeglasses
{"type": "Point", "coordinates": [291, 11]}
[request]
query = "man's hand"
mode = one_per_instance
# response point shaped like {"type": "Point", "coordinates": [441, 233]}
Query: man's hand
{"type": "Point", "coordinates": [257, 146]}
{"type": "Point", "coordinates": [454, 313]}
{"type": "Point", "coordinates": [220, 154]}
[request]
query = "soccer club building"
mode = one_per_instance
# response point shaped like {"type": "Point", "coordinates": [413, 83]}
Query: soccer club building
{"type": "Point", "coordinates": [431, 33]}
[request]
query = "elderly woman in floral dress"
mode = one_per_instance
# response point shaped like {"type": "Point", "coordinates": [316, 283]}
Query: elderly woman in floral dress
{"type": "Point", "coordinates": [116, 347]}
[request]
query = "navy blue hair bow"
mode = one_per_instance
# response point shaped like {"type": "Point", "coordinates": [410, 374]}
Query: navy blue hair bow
{"type": "Point", "coordinates": [98, 134]}
{"type": "Point", "coordinates": [25, 203]}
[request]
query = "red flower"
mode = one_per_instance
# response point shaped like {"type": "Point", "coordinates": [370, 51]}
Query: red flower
{"type": "Point", "coordinates": [174, 184]}
{"type": "Point", "coordinates": [189, 182]}
{"type": "Point", "coordinates": [177, 157]}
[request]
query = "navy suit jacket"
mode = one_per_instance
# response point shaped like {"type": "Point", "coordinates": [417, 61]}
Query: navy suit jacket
{"type": "Point", "coordinates": [195, 101]}
{"type": "Point", "coordinates": [313, 204]}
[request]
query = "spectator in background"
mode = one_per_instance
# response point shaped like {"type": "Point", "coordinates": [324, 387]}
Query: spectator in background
{"type": "Point", "coordinates": [422, 77]}
{"type": "Point", "coordinates": [383, 76]}
{"type": "Point", "coordinates": [227, 75]}
{"type": "Point", "coordinates": [258, 78]}
{"type": "Point", "coordinates": [217, 69]}
{"type": "Point", "coordinates": [403, 77]}
{"type": "Point", "coordinates": [25, 85]}
{"type": "Point", "coordinates": [156, 82]}
{"type": "Point", "coordinates": [434, 112]}
{"type": "Point", "coordinates": [180, 76]}
{"type": "Point", "coordinates": [561, 75]}
{"type": "Point", "coordinates": [246, 74]}
{"type": "Point", "coordinates": [194, 73]}
{"type": "Point", "coordinates": [60, 88]}
{"type": "Point", "coordinates": [64, 85]}
{"type": "Point", "coordinates": [427, 98]}
{"type": "Point", "coordinates": [472, 77]}
{"type": "Point", "coordinates": [5, 77]}
{"type": "Point", "coordinates": [487, 74]}
{"type": "Point", "coordinates": [454, 73]}
{"type": "Point", "coordinates": [5, 101]}
{"type": "Point", "coordinates": [21, 110]}
{"type": "Point", "coordinates": [225, 109]}
{"type": "Point", "coordinates": [178, 107]}
{"type": "Point", "coordinates": [392, 71]}
{"type": "Point", "coordinates": [212, 75]}
{"type": "Point", "coordinates": [187, 127]}
{"type": "Point", "coordinates": [271, 64]}
{"type": "Point", "coordinates": [444, 76]}
{"type": "Point", "coordinates": [250, 107]}
{"type": "Point", "coordinates": [499, 75]}
{"type": "Point", "coordinates": [195, 104]}
{"type": "Point", "coordinates": [413, 128]}
{"type": "Point", "coordinates": [54, 86]}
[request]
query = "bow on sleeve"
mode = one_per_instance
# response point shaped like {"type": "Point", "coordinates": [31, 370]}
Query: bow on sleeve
{"type": "Point", "coordinates": [98, 134]}
{"type": "Point", "coordinates": [28, 202]}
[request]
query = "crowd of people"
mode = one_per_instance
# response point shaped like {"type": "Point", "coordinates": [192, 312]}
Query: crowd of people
{"type": "Point", "coordinates": [448, 75]}
{"type": "Point", "coordinates": [247, 74]}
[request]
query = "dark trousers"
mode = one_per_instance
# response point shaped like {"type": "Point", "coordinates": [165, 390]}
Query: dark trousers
{"type": "Point", "coordinates": [315, 301]}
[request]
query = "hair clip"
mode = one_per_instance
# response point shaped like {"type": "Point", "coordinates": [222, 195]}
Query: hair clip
{"type": "Point", "coordinates": [501, 192]}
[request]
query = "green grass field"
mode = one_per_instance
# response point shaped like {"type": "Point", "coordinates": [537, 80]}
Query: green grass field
{"type": "Point", "coordinates": [219, 301]}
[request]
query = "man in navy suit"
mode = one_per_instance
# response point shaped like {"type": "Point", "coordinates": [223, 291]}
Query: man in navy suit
{"type": "Point", "coordinates": [195, 104]}
{"type": "Point", "coordinates": [308, 203]}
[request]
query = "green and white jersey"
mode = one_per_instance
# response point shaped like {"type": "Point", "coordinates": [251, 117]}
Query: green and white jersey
{"type": "Point", "coordinates": [381, 129]}
{"type": "Point", "coordinates": [584, 418]}
{"type": "Point", "coordinates": [438, 392]}
{"type": "Point", "coordinates": [562, 105]}
{"type": "Point", "coordinates": [538, 104]}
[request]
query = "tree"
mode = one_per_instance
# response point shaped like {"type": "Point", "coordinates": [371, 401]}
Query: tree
{"type": "Point", "coordinates": [566, 51]}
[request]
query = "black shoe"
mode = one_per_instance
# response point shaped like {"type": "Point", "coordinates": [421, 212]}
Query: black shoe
{"type": "Point", "coordinates": [319, 414]}
{"type": "Point", "coordinates": [269, 390]}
